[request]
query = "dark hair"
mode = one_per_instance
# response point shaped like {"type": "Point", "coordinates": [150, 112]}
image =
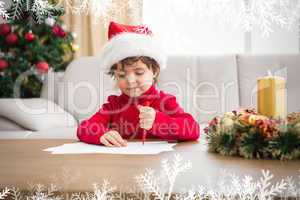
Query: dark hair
{"type": "Point", "coordinates": [150, 62]}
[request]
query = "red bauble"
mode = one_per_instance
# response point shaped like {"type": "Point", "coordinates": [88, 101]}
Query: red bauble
{"type": "Point", "coordinates": [58, 31]}
{"type": "Point", "coordinates": [42, 66]}
{"type": "Point", "coordinates": [3, 64]}
{"type": "Point", "coordinates": [29, 36]}
{"type": "Point", "coordinates": [5, 29]}
{"type": "Point", "coordinates": [11, 39]}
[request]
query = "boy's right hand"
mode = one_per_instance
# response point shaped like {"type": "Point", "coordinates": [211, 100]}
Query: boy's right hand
{"type": "Point", "coordinates": [113, 139]}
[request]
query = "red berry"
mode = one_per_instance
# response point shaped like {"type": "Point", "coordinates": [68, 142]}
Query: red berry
{"type": "Point", "coordinates": [3, 64]}
{"type": "Point", "coordinates": [5, 29]}
{"type": "Point", "coordinates": [11, 39]}
{"type": "Point", "coordinates": [29, 36]}
{"type": "Point", "coordinates": [42, 66]}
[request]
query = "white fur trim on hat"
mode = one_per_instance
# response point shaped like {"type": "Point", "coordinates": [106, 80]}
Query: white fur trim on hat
{"type": "Point", "coordinates": [126, 45]}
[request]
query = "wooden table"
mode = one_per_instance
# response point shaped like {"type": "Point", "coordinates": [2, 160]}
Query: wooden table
{"type": "Point", "coordinates": [23, 162]}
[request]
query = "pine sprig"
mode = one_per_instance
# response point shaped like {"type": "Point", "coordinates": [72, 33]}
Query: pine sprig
{"type": "Point", "coordinates": [37, 10]}
{"type": "Point", "coordinates": [286, 145]}
{"type": "Point", "coordinates": [253, 145]}
{"type": "Point", "coordinates": [17, 9]}
{"type": "Point", "coordinates": [42, 9]}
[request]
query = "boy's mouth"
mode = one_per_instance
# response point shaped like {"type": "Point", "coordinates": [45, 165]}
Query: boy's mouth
{"type": "Point", "coordinates": [133, 91]}
{"type": "Point", "coordinates": [134, 88]}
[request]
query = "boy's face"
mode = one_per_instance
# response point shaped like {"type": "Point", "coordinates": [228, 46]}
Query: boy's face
{"type": "Point", "coordinates": [134, 79]}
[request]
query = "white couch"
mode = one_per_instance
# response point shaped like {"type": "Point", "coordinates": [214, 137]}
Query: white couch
{"type": "Point", "coordinates": [205, 86]}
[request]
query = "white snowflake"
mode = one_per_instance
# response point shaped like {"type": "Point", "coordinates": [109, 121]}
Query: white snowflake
{"type": "Point", "coordinates": [77, 7]}
{"type": "Point", "coordinates": [42, 192]}
{"type": "Point", "coordinates": [105, 192]}
{"type": "Point", "coordinates": [149, 182]}
{"type": "Point", "coordinates": [265, 14]}
{"type": "Point", "coordinates": [3, 11]}
{"type": "Point", "coordinates": [16, 194]}
{"type": "Point", "coordinates": [17, 9]}
{"type": "Point", "coordinates": [291, 187]}
{"type": "Point", "coordinates": [100, 9]}
{"type": "Point", "coordinates": [266, 189]}
{"type": "Point", "coordinates": [106, 10]}
{"type": "Point", "coordinates": [4, 193]}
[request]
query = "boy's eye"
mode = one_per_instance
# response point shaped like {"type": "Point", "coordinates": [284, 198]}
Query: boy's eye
{"type": "Point", "coordinates": [140, 72]}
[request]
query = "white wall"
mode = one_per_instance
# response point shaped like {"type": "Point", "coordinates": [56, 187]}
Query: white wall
{"type": "Point", "coordinates": [280, 41]}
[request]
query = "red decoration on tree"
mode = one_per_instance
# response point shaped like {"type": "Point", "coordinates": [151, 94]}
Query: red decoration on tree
{"type": "Point", "coordinates": [29, 36]}
{"type": "Point", "coordinates": [42, 67]}
{"type": "Point", "coordinates": [58, 31]}
{"type": "Point", "coordinates": [5, 29]}
{"type": "Point", "coordinates": [11, 39]}
{"type": "Point", "coordinates": [3, 64]}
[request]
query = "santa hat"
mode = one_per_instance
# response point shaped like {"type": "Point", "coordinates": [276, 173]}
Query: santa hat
{"type": "Point", "coordinates": [127, 41]}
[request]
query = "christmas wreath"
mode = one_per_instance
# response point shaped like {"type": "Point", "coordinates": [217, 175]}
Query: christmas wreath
{"type": "Point", "coordinates": [251, 135]}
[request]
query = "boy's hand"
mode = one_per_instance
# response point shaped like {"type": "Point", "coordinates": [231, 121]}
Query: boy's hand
{"type": "Point", "coordinates": [146, 116]}
{"type": "Point", "coordinates": [113, 139]}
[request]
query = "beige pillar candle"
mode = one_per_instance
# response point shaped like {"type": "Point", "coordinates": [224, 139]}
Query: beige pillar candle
{"type": "Point", "coordinates": [271, 96]}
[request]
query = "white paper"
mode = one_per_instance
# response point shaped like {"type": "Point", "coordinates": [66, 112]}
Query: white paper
{"type": "Point", "coordinates": [136, 148]}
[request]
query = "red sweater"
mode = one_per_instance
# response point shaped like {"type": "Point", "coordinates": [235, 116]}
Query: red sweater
{"type": "Point", "coordinates": [120, 113]}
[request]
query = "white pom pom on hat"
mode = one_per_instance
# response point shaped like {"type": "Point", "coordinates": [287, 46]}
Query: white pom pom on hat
{"type": "Point", "coordinates": [128, 41]}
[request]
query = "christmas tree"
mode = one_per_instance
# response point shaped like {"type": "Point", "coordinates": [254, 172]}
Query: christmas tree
{"type": "Point", "coordinates": [32, 42]}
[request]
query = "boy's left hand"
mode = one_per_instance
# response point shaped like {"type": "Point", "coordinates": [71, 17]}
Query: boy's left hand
{"type": "Point", "coordinates": [146, 116]}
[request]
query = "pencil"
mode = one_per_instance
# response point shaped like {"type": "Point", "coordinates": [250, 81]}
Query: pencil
{"type": "Point", "coordinates": [145, 131]}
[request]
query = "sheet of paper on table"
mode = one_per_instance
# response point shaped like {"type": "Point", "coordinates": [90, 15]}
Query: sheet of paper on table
{"type": "Point", "coordinates": [134, 148]}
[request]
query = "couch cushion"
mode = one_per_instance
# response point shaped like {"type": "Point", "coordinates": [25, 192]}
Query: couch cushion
{"type": "Point", "coordinates": [85, 87]}
{"type": "Point", "coordinates": [36, 113]}
{"type": "Point", "coordinates": [252, 66]}
{"type": "Point", "coordinates": [205, 86]}
{"type": "Point", "coordinates": [8, 125]}
{"type": "Point", "coordinates": [50, 86]}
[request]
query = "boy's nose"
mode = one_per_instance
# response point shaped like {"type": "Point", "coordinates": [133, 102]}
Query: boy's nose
{"type": "Point", "coordinates": [131, 79]}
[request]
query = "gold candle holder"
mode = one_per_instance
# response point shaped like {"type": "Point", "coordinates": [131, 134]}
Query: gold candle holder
{"type": "Point", "coordinates": [271, 96]}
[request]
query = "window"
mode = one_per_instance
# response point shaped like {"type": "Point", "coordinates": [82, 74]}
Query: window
{"type": "Point", "coordinates": [184, 30]}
